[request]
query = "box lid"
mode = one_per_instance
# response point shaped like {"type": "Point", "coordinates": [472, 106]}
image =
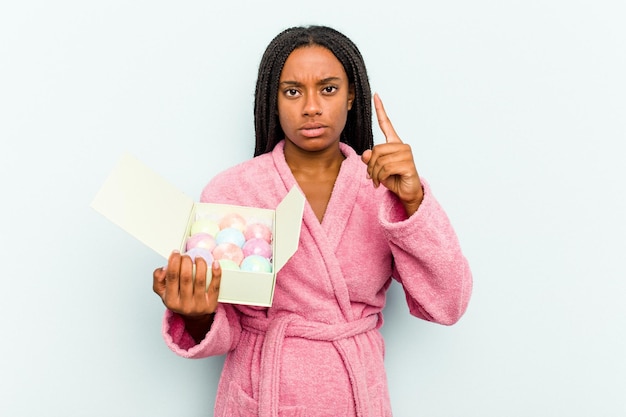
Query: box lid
{"type": "Point", "coordinates": [145, 205]}
{"type": "Point", "coordinates": [288, 219]}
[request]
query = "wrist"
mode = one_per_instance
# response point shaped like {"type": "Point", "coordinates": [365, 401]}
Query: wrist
{"type": "Point", "coordinates": [199, 318]}
{"type": "Point", "coordinates": [411, 206]}
{"type": "Point", "coordinates": [198, 326]}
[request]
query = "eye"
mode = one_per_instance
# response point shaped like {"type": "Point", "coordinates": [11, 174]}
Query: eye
{"type": "Point", "coordinates": [291, 92]}
{"type": "Point", "coordinates": [329, 89]}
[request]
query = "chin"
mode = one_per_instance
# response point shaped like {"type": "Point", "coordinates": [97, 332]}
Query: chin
{"type": "Point", "coordinates": [314, 144]}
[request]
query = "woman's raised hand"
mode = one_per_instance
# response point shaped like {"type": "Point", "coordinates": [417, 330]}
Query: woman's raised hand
{"type": "Point", "coordinates": [391, 164]}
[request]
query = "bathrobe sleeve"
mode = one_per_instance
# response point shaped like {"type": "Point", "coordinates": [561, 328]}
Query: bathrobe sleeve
{"type": "Point", "coordinates": [225, 331]}
{"type": "Point", "coordinates": [221, 338]}
{"type": "Point", "coordinates": [226, 327]}
{"type": "Point", "coordinates": [428, 261]}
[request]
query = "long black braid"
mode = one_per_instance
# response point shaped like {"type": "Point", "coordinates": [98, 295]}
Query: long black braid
{"type": "Point", "coordinates": [358, 130]}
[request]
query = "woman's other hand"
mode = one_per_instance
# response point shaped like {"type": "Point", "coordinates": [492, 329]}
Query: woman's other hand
{"type": "Point", "coordinates": [188, 296]}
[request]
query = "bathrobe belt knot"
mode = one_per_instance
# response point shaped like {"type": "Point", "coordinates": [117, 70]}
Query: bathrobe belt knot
{"type": "Point", "coordinates": [339, 334]}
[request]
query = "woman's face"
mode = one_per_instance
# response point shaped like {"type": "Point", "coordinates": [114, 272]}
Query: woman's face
{"type": "Point", "coordinates": [314, 97]}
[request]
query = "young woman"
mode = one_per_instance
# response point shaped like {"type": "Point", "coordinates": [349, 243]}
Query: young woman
{"type": "Point", "coordinates": [370, 218]}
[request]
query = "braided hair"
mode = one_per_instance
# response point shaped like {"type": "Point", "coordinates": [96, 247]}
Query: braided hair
{"type": "Point", "coordinates": [358, 130]}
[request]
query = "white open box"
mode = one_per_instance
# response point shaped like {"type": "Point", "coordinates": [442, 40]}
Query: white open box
{"type": "Point", "coordinates": [155, 212]}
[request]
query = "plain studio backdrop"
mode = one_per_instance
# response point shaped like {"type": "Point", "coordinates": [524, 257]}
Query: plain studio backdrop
{"type": "Point", "coordinates": [516, 115]}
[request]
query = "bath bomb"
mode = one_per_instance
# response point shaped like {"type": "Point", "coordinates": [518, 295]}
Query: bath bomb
{"type": "Point", "coordinates": [256, 263]}
{"type": "Point", "coordinates": [257, 246]}
{"type": "Point", "coordinates": [230, 235]}
{"type": "Point", "coordinates": [193, 253]}
{"type": "Point", "coordinates": [228, 251]}
{"type": "Point", "coordinates": [233, 220]}
{"type": "Point", "coordinates": [201, 240]}
{"type": "Point", "coordinates": [204, 226]}
{"type": "Point", "coordinates": [228, 264]}
{"type": "Point", "coordinates": [258, 231]}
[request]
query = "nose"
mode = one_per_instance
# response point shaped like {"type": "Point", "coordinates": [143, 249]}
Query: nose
{"type": "Point", "coordinates": [312, 105]}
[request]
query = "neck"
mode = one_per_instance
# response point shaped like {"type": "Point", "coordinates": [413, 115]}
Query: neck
{"type": "Point", "coordinates": [319, 163]}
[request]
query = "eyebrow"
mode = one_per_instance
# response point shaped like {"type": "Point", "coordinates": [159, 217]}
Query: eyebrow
{"type": "Point", "coordinates": [322, 81]}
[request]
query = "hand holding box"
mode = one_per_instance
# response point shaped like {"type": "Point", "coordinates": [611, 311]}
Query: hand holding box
{"type": "Point", "coordinates": [155, 212]}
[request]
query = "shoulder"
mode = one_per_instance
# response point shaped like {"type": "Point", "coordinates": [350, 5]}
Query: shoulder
{"type": "Point", "coordinates": [243, 170]}
{"type": "Point", "coordinates": [231, 185]}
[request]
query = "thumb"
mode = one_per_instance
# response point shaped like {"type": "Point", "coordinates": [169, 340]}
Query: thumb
{"type": "Point", "coordinates": [158, 281]}
{"type": "Point", "coordinates": [366, 156]}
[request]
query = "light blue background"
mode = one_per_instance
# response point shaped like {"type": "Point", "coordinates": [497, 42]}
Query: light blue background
{"type": "Point", "coordinates": [516, 114]}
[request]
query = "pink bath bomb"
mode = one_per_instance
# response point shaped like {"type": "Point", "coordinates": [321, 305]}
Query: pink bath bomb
{"type": "Point", "coordinates": [233, 220]}
{"type": "Point", "coordinates": [257, 246]}
{"type": "Point", "coordinates": [256, 263]}
{"type": "Point", "coordinates": [194, 253]}
{"type": "Point", "coordinates": [201, 240]}
{"type": "Point", "coordinates": [228, 251]}
{"type": "Point", "coordinates": [258, 231]}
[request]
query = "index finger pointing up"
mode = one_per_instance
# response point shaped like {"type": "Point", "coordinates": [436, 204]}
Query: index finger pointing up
{"type": "Point", "coordinates": [384, 122]}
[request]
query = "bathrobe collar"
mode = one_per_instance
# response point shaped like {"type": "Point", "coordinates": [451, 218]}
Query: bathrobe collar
{"type": "Point", "coordinates": [342, 199]}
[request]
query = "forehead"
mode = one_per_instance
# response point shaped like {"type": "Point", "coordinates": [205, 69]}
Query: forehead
{"type": "Point", "coordinates": [312, 61]}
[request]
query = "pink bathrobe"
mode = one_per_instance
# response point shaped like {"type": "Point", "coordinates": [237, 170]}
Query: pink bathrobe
{"type": "Point", "coordinates": [318, 352]}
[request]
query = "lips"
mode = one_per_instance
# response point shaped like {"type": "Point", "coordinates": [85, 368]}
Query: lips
{"type": "Point", "coordinates": [311, 130]}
